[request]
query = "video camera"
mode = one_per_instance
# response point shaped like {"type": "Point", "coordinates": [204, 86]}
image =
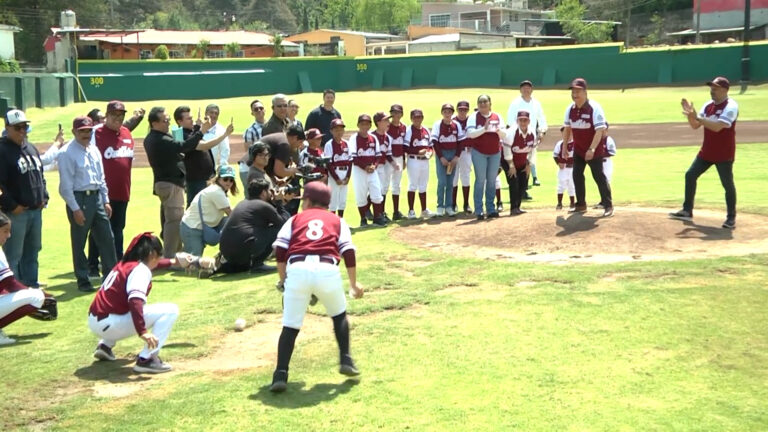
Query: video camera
{"type": "Point", "coordinates": [306, 170]}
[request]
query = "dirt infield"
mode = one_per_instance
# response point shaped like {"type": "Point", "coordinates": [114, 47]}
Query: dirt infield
{"type": "Point", "coordinates": [626, 136]}
{"type": "Point", "coordinates": [632, 234]}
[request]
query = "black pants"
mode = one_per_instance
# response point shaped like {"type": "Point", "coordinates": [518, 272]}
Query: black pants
{"type": "Point", "coordinates": [724, 169]}
{"type": "Point", "coordinates": [193, 188]}
{"type": "Point", "coordinates": [117, 223]}
{"type": "Point", "coordinates": [251, 254]}
{"type": "Point", "coordinates": [596, 166]}
{"type": "Point", "coordinates": [97, 223]}
{"type": "Point", "coordinates": [517, 185]}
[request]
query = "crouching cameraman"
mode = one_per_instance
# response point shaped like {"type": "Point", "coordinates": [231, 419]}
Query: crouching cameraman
{"type": "Point", "coordinates": [247, 237]}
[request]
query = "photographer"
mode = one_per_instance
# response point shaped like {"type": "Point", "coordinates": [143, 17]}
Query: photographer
{"type": "Point", "coordinates": [247, 237]}
{"type": "Point", "coordinates": [283, 156]}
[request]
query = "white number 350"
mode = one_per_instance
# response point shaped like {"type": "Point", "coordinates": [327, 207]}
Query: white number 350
{"type": "Point", "coordinates": [315, 229]}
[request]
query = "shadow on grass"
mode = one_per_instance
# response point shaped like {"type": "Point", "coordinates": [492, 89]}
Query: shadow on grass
{"type": "Point", "coordinates": [180, 345]}
{"type": "Point", "coordinates": [111, 371]}
{"type": "Point", "coordinates": [296, 396]}
{"type": "Point", "coordinates": [706, 232]}
{"type": "Point", "coordinates": [68, 291]}
{"type": "Point", "coordinates": [575, 223]}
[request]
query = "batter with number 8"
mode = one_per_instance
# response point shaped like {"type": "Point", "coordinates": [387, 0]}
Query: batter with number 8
{"type": "Point", "coordinates": [308, 249]}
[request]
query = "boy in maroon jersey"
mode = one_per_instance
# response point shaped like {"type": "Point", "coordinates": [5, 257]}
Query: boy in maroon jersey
{"type": "Point", "coordinates": [308, 250]}
{"type": "Point", "coordinates": [515, 163]}
{"type": "Point", "coordinates": [339, 169]}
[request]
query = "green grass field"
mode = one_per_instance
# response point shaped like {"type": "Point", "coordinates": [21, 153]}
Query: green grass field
{"type": "Point", "coordinates": [444, 342]}
{"type": "Point", "coordinates": [646, 105]}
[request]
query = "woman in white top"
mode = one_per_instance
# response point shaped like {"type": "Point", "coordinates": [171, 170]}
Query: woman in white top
{"type": "Point", "coordinates": [213, 204]}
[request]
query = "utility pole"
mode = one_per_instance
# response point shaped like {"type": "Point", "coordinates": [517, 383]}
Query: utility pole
{"type": "Point", "coordinates": [745, 48]}
{"type": "Point", "coordinates": [698, 21]}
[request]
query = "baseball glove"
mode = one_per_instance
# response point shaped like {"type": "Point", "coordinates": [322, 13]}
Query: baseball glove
{"type": "Point", "coordinates": [48, 311]}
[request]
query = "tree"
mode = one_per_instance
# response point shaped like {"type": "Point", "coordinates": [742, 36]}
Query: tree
{"type": "Point", "coordinates": [391, 16]}
{"type": "Point", "coordinates": [232, 49]}
{"type": "Point", "coordinates": [277, 45]}
{"type": "Point", "coordinates": [201, 48]}
{"type": "Point", "coordinates": [657, 35]}
{"type": "Point", "coordinates": [570, 13]}
{"type": "Point", "coordinates": [161, 52]}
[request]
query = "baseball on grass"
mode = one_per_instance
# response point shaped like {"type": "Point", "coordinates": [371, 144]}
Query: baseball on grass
{"type": "Point", "coordinates": [239, 324]}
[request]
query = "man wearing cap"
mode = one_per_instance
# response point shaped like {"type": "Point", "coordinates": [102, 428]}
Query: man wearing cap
{"type": "Point", "coordinates": [279, 120]}
{"type": "Point", "coordinates": [23, 196]}
{"type": "Point", "coordinates": [538, 125]}
{"type": "Point", "coordinates": [397, 131]}
{"type": "Point", "coordinates": [84, 189]}
{"type": "Point", "coordinates": [585, 122]}
{"type": "Point", "coordinates": [718, 117]}
{"type": "Point", "coordinates": [464, 167]}
{"type": "Point", "coordinates": [308, 249]}
{"type": "Point", "coordinates": [365, 152]}
{"type": "Point", "coordinates": [448, 141]}
{"type": "Point", "coordinates": [164, 154]}
{"type": "Point", "coordinates": [321, 116]}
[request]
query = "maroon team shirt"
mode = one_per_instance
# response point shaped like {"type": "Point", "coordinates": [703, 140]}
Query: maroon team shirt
{"type": "Point", "coordinates": [117, 157]}
{"type": "Point", "coordinates": [385, 146]}
{"type": "Point", "coordinates": [488, 143]}
{"type": "Point", "coordinates": [521, 142]}
{"type": "Point", "coordinates": [584, 123]}
{"type": "Point", "coordinates": [558, 155]}
{"type": "Point", "coordinates": [720, 146]}
{"type": "Point", "coordinates": [315, 231]}
{"type": "Point", "coordinates": [364, 150]}
{"type": "Point", "coordinates": [418, 139]}
{"type": "Point", "coordinates": [338, 151]}
{"type": "Point", "coordinates": [397, 133]}
{"type": "Point", "coordinates": [112, 297]}
{"type": "Point", "coordinates": [447, 137]}
{"type": "Point", "coordinates": [466, 142]}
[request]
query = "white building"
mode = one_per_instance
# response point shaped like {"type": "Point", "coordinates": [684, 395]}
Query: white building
{"type": "Point", "coordinates": [7, 49]}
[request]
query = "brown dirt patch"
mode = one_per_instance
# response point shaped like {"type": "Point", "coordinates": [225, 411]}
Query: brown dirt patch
{"type": "Point", "coordinates": [632, 234]}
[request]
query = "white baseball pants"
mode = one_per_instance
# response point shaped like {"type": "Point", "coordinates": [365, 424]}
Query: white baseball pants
{"type": "Point", "coordinates": [498, 180]}
{"type": "Point", "coordinates": [159, 317]}
{"type": "Point", "coordinates": [384, 171]}
{"type": "Point", "coordinates": [565, 181]}
{"type": "Point", "coordinates": [608, 168]}
{"type": "Point", "coordinates": [308, 277]}
{"type": "Point", "coordinates": [12, 301]}
{"type": "Point", "coordinates": [397, 175]}
{"type": "Point", "coordinates": [338, 192]}
{"type": "Point", "coordinates": [418, 174]}
{"type": "Point", "coordinates": [464, 167]}
{"type": "Point", "coordinates": [366, 184]}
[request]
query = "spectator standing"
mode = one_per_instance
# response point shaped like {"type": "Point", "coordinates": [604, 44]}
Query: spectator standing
{"type": "Point", "coordinates": [220, 152]}
{"type": "Point", "coordinates": [279, 120]}
{"type": "Point", "coordinates": [250, 136]}
{"type": "Point", "coordinates": [293, 111]}
{"type": "Point", "coordinates": [486, 130]}
{"type": "Point", "coordinates": [526, 102]}
{"type": "Point", "coordinates": [322, 116]}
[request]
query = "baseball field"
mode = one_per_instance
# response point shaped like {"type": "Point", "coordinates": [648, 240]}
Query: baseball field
{"type": "Point", "coordinates": [543, 322]}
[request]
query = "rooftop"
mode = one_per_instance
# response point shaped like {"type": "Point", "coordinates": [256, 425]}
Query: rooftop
{"type": "Point", "coordinates": [179, 37]}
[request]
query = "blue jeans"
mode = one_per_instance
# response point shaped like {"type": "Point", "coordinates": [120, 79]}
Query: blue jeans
{"type": "Point", "coordinates": [25, 243]}
{"type": "Point", "coordinates": [192, 239]}
{"type": "Point", "coordinates": [445, 181]}
{"type": "Point", "coordinates": [486, 169]}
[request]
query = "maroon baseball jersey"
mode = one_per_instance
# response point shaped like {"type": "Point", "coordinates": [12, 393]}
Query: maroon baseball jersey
{"type": "Point", "coordinates": [558, 155]}
{"type": "Point", "coordinates": [466, 142]}
{"type": "Point", "coordinates": [364, 149]}
{"type": "Point", "coordinates": [417, 139]}
{"type": "Point", "coordinates": [584, 122]}
{"type": "Point", "coordinates": [488, 143]}
{"type": "Point", "coordinates": [398, 139]}
{"type": "Point", "coordinates": [304, 158]}
{"type": "Point", "coordinates": [127, 280]}
{"type": "Point", "coordinates": [385, 146]}
{"type": "Point", "coordinates": [447, 137]}
{"type": "Point", "coordinates": [520, 141]}
{"type": "Point", "coordinates": [720, 146]}
{"type": "Point", "coordinates": [117, 156]}
{"type": "Point", "coordinates": [315, 231]}
{"type": "Point", "coordinates": [338, 151]}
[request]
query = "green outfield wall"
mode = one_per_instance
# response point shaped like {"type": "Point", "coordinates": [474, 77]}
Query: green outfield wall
{"type": "Point", "coordinates": [25, 90]}
{"type": "Point", "coordinates": [605, 65]}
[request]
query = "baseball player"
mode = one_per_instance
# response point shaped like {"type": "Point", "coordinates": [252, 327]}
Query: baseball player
{"type": "Point", "coordinates": [119, 309]}
{"type": "Point", "coordinates": [465, 159]}
{"type": "Point", "coordinates": [365, 152]}
{"type": "Point", "coordinates": [585, 121]}
{"type": "Point", "coordinates": [16, 300]}
{"type": "Point", "coordinates": [564, 173]}
{"type": "Point", "coordinates": [308, 250]}
{"type": "Point", "coordinates": [419, 150]}
{"type": "Point", "coordinates": [486, 129]}
{"type": "Point", "coordinates": [448, 142]}
{"type": "Point", "coordinates": [397, 132]}
{"type": "Point", "coordinates": [313, 150]}
{"type": "Point", "coordinates": [526, 102]}
{"type": "Point", "coordinates": [515, 163]}
{"type": "Point", "coordinates": [718, 117]}
{"type": "Point", "coordinates": [386, 163]}
{"type": "Point", "coordinates": [339, 169]}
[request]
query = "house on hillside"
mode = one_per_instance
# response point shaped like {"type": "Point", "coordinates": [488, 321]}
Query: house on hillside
{"type": "Point", "coordinates": [720, 20]}
{"type": "Point", "coordinates": [496, 17]}
{"type": "Point", "coordinates": [344, 42]}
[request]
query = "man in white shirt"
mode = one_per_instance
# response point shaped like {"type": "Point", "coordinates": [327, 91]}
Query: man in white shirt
{"type": "Point", "coordinates": [220, 153]}
{"type": "Point", "coordinates": [526, 102]}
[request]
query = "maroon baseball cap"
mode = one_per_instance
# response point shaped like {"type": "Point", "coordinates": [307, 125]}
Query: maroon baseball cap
{"type": "Point", "coordinates": [337, 122]}
{"type": "Point", "coordinates": [720, 82]}
{"type": "Point", "coordinates": [447, 106]}
{"type": "Point", "coordinates": [313, 134]}
{"type": "Point", "coordinates": [396, 108]}
{"type": "Point", "coordinates": [379, 116]}
{"type": "Point", "coordinates": [526, 83]}
{"type": "Point", "coordinates": [523, 114]}
{"type": "Point", "coordinates": [317, 192]}
{"type": "Point", "coordinates": [363, 118]}
{"type": "Point", "coordinates": [416, 113]}
{"type": "Point", "coordinates": [578, 83]}
{"type": "Point", "coordinates": [82, 122]}
{"type": "Point", "coordinates": [116, 105]}
{"type": "Point", "coordinates": [462, 104]}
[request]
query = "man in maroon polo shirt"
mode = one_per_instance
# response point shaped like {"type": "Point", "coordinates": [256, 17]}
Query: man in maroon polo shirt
{"type": "Point", "coordinates": [585, 122]}
{"type": "Point", "coordinates": [718, 117]}
{"type": "Point", "coordinates": [115, 144]}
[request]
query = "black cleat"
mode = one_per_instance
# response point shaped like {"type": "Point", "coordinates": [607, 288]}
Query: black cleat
{"type": "Point", "coordinates": [279, 381]}
{"type": "Point", "coordinates": [347, 367]}
{"type": "Point", "coordinates": [730, 223]}
{"type": "Point", "coordinates": [682, 215]}
{"type": "Point", "coordinates": [397, 215]}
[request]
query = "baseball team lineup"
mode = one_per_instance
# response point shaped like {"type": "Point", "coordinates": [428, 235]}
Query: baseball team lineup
{"type": "Point", "coordinates": [295, 178]}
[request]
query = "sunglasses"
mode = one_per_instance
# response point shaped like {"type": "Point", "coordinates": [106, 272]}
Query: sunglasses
{"type": "Point", "coordinates": [259, 109]}
{"type": "Point", "coordinates": [281, 106]}
{"type": "Point", "coordinates": [263, 154]}
{"type": "Point", "coordinates": [20, 127]}
{"type": "Point", "coordinates": [228, 179]}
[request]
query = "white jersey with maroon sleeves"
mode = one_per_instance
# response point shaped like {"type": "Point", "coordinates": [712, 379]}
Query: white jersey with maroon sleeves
{"type": "Point", "coordinates": [720, 146]}
{"type": "Point", "coordinates": [397, 133]}
{"type": "Point", "coordinates": [584, 123]}
{"type": "Point", "coordinates": [364, 150]}
{"type": "Point", "coordinates": [557, 153]}
{"type": "Point", "coordinates": [564, 174]}
{"type": "Point", "coordinates": [127, 280]}
{"type": "Point", "coordinates": [315, 232]}
{"type": "Point", "coordinates": [5, 270]}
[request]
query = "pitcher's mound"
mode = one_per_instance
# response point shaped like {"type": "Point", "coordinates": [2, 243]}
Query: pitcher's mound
{"type": "Point", "coordinates": [633, 233]}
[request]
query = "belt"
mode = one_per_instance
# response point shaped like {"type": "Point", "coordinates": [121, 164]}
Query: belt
{"type": "Point", "coordinates": [417, 157]}
{"type": "Point", "coordinates": [100, 317]}
{"type": "Point", "coordinates": [321, 258]}
{"type": "Point", "coordinates": [88, 192]}
{"type": "Point", "coordinates": [343, 168]}
{"type": "Point", "coordinates": [569, 165]}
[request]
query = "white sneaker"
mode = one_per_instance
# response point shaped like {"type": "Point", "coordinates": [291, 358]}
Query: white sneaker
{"type": "Point", "coordinates": [440, 211]}
{"type": "Point", "coordinates": [449, 211]}
{"type": "Point", "coordinates": [411, 214]}
{"type": "Point", "coordinates": [426, 214]}
{"type": "Point", "coordinates": [184, 259]}
{"type": "Point", "coordinates": [5, 340]}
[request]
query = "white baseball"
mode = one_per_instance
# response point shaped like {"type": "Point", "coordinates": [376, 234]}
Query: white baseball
{"type": "Point", "coordinates": [239, 324]}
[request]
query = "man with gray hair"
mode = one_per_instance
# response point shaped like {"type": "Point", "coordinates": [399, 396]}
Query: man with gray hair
{"type": "Point", "coordinates": [220, 152]}
{"type": "Point", "coordinates": [279, 120]}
